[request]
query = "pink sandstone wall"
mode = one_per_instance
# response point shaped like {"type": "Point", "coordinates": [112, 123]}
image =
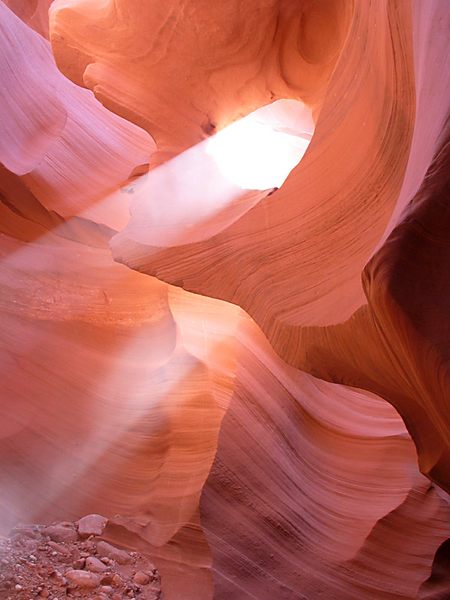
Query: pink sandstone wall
{"type": "Point", "coordinates": [260, 403]}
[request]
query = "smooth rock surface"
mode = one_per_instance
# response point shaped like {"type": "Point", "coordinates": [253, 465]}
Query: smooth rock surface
{"type": "Point", "coordinates": [283, 431]}
{"type": "Point", "coordinates": [91, 525]}
{"type": "Point", "coordinates": [105, 549]}
{"type": "Point", "coordinates": [64, 532]}
{"type": "Point", "coordinates": [82, 579]}
{"type": "Point", "coordinates": [95, 565]}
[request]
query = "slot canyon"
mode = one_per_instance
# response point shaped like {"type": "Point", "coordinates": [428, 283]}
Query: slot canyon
{"type": "Point", "coordinates": [225, 299]}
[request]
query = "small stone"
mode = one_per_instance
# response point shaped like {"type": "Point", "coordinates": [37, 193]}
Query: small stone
{"type": "Point", "coordinates": [107, 589]}
{"type": "Point", "coordinates": [141, 578]}
{"type": "Point", "coordinates": [91, 525]}
{"type": "Point", "coordinates": [79, 564]}
{"type": "Point", "coordinates": [18, 587]}
{"type": "Point", "coordinates": [32, 557]}
{"type": "Point", "coordinates": [59, 548]}
{"type": "Point", "coordinates": [116, 554]}
{"type": "Point", "coordinates": [57, 578]}
{"type": "Point", "coordinates": [95, 565]}
{"type": "Point", "coordinates": [63, 532]}
{"type": "Point", "coordinates": [107, 579]}
{"type": "Point", "coordinates": [105, 560]}
{"type": "Point", "coordinates": [82, 579]}
{"type": "Point", "coordinates": [44, 593]}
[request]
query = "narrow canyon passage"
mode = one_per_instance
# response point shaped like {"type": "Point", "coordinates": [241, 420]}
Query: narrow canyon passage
{"type": "Point", "coordinates": [224, 266]}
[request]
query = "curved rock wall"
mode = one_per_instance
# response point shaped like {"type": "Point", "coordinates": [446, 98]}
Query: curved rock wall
{"type": "Point", "coordinates": [269, 446]}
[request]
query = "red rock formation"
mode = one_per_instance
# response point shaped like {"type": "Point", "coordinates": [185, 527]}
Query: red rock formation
{"type": "Point", "coordinates": [33, 12]}
{"type": "Point", "coordinates": [332, 211]}
{"type": "Point", "coordinates": [223, 59]}
{"type": "Point", "coordinates": [314, 491]}
{"type": "Point", "coordinates": [230, 451]}
{"type": "Point", "coordinates": [65, 132]}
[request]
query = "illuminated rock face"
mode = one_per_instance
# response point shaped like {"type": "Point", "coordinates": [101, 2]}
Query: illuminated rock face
{"type": "Point", "coordinates": [226, 443]}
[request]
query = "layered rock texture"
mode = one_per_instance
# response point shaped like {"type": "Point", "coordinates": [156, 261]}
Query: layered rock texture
{"type": "Point", "coordinates": [252, 385]}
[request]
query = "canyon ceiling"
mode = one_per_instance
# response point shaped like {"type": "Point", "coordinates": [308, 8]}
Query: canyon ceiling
{"type": "Point", "coordinates": [252, 384]}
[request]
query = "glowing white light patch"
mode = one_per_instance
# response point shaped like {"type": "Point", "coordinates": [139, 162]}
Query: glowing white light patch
{"type": "Point", "coordinates": [206, 188]}
{"type": "Point", "coordinates": [259, 151]}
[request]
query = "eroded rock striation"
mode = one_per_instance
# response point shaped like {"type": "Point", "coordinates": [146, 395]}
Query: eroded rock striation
{"type": "Point", "coordinates": [252, 386]}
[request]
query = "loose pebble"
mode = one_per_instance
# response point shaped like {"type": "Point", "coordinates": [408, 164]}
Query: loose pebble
{"type": "Point", "coordinates": [64, 532]}
{"type": "Point", "coordinates": [120, 556]}
{"type": "Point", "coordinates": [82, 579]}
{"type": "Point", "coordinates": [91, 525]}
{"type": "Point", "coordinates": [95, 565]}
{"type": "Point", "coordinates": [67, 559]}
{"type": "Point", "coordinates": [141, 578]}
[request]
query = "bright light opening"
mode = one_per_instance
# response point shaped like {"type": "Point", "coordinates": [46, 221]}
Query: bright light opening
{"type": "Point", "coordinates": [259, 151]}
{"type": "Point", "coordinates": [205, 189]}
